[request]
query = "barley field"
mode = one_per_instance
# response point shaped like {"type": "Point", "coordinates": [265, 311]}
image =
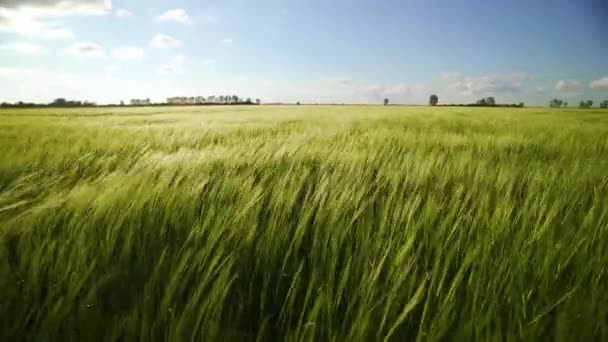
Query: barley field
{"type": "Point", "coordinates": [302, 223]}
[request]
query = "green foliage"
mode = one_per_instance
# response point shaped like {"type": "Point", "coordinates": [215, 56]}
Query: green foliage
{"type": "Point", "coordinates": [557, 103]}
{"type": "Point", "coordinates": [303, 223]}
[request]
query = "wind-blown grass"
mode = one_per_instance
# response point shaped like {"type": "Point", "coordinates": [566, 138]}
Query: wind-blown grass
{"type": "Point", "coordinates": [304, 223]}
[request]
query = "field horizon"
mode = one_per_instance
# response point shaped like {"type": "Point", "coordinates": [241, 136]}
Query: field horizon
{"type": "Point", "coordinates": [301, 223]}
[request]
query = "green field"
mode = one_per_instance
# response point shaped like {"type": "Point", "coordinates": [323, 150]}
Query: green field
{"type": "Point", "coordinates": [345, 223]}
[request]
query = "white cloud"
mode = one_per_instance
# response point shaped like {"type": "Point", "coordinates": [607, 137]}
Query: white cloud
{"type": "Point", "coordinates": [601, 83]}
{"type": "Point", "coordinates": [227, 41]}
{"type": "Point", "coordinates": [536, 91]}
{"type": "Point", "coordinates": [23, 48]}
{"type": "Point", "coordinates": [177, 15]}
{"type": "Point", "coordinates": [112, 69]}
{"type": "Point", "coordinates": [43, 85]}
{"type": "Point", "coordinates": [85, 50]}
{"type": "Point", "coordinates": [128, 54]}
{"type": "Point", "coordinates": [57, 8]}
{"type": "Point", "coordinates": [337, 90]}
{"type": "Point", "coordinates": [175, 67]}
{"type": "Point", "coordinates": [339, 81]}
{"type": "Point", "coordinates": [38, 18]}
{"type": "Point", "coordinates": [485, 84]}
{"type": "Point", "coordinates": [123, 13]}
{"type": "Point", "coordinates": [9, 72]}
{"type": "Point", "coordinates": [163, 41]}
{"type": "Point", "coordinates": [568, 85]}
{"type": "Point", "coordinates": [450, 75]}
{"type": "Point", "coordinates": [18, 23]}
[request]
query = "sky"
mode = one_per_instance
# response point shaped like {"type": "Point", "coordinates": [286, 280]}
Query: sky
{"type": "Point", "coordinates": [356, 51]}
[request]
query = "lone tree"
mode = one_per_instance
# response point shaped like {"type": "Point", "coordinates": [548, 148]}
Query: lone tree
{"type": "Point", "coordinates": [258, 102]}
{"type": "Point", "coordinates": [386, 102]}
{"type": "Point", "coordinates": [585, 104]}
{"type": "Point", "coordinates": [433, 100]}
{"type": "Point", "coordinates": [490, 101]}
{"type": "Point", "coordinates": [556, 103]}
{"type": "Point", "coordinates": [604, 104]}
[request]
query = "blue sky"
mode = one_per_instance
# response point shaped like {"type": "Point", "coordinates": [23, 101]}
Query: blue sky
{"type": "Point", "coordinates": [311, 51]}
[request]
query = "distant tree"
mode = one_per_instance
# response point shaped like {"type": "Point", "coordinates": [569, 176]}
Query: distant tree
{"type": "Point", "coordinates": [521, 105]}
{"type": "Point", "coordinates": [222, 99]}
{"type": "Point", "coordinates": [582, 104]}
{"type": "Point", "coordinates": [490, 101]}
{"type": "Point", "coordinates": [298, 103]}
{"type": "Point", "coordinates": [566, 104]}
{"type": "Point", "coordinates": [556, 103]}
{"type": "Point", "coordinates": [248, 101]}
{"type": "Point", "coordinates": [235, 99]}
{"type": "Point", "coordinates": [258, 102]}
{"type": "Point", "coordinates": [433, 100]}
{"type": "Point", "coordinates": [589, 103]}
{"type": "Point", "coordinates": [386, 102]}
{"type": "Point", "coordinates": [604, 104]}
{"type": "Point", "coordinates": [122, 103]}
{"type": "Point", "coordinates": [59, 102]}
{"type": "Point", "coordinates": [482, 102]}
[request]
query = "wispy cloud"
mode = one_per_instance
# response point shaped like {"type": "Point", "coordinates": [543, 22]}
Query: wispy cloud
{"type": "Point", "coordinates": [568, 85]}
{"type": "Point", "coordinates": [227, 41]}
{"type": "Point", "coordinates": [176, 66]}
{"type": "Point", "coordinates": [128, 54]}
{"type": "Point", "coordinates": [450, 75]}
{"type": "Point", "coordinates": [340, 81]}
{"type": "Point", "coordinates": [163, 41]}
{"type": "Point", "coordinates": [124, 13]}
{"type": "Point", "coordinates": [58, 8]}
{"type": "Point", "coordinates": [177, 15]}
{"type": "Point", "coordinates": [536, 91]}
{"type": "Point", "coordinates": [86, 50]}
{"type": "Point", "coordinates": [485, 84]}
{"type": "Point", "coordinates": [601, 83]}
{"type": "Point", "coordinates": [23, 48]}
{"type": "Point", "coordinates": [38, 18]}
{"type": "Point", "coordinates": [46, 84]}
{"type": "Point", "coordinates": [19, 23]}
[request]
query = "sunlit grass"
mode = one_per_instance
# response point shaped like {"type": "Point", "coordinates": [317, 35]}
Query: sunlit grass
{"type": "Point", "coordinates": [298, 223]}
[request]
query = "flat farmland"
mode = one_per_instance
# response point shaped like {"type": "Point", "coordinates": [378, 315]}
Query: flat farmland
{"type": "Point", "coordinates": [297, 223]}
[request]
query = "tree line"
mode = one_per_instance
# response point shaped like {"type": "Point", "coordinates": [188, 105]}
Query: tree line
{"type": "Point", "coordinates": [558, 103]}
{"type": "Point", "coordinates": [209, 101]}
{"type": "Point", "coordinates": [60, 102]}
{"type": "Point", "coordinates": [484, 102]}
